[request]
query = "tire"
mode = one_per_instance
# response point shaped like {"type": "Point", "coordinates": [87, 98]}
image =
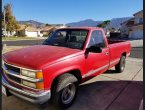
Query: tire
{"type": "Point", "coordinates": [64, 91]}
{"type": "Point", "coordinates": [121, 65]}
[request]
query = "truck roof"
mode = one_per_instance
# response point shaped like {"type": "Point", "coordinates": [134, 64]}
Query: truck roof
{"type": "Point", "coordinates": [88, 28]}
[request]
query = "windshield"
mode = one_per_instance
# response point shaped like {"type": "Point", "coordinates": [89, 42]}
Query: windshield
{"type": "Point", "coordinates": [71, 38]}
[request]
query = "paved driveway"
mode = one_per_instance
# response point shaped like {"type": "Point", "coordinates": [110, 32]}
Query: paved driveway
{"type": "Point", "coordinates": [108, 91]}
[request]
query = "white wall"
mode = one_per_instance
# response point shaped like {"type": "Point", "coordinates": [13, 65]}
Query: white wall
{"type": "Point", "coordinates": [31, 34]}
{"type": "Point", "coordinates": [137, 34]}
{"type": "Point", "coordinates": [7, 33]}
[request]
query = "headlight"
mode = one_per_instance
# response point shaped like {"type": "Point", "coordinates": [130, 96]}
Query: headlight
{"type": "Point", "coordinates": [28, 73]}
{"type": "Point", "coordinates": [32, 74]}
{"type": "Point", "coordinates": [35, 75]}
{"type": "Point", "coordinates": [26, 83]}
{"type": "Point", "coordinates": [38, 85]}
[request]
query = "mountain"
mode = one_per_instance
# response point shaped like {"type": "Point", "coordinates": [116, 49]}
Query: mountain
{"type": "Point", "coordinates": [114, 23]}
{"type": "Point", "coordinates": [36, 23]}
{"type": "Point", "coordinates": [32, 23]}
{"type": "Point", "coordinates": [87, 22]}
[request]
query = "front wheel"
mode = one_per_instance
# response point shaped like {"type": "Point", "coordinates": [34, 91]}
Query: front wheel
{"type": "Point", "coordinates": [121, 65]}
{"type": "Point", "coordinates": [64, 90]}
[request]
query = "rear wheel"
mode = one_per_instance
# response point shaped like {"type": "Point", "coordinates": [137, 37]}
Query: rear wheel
{"type": "Point", "coordinates": [64, 90]}
{"type": "Point", "coordinates": [121, 65]}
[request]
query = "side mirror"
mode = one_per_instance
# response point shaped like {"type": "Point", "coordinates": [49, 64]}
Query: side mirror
{"type": "Point", "coordinates": [94, 49]}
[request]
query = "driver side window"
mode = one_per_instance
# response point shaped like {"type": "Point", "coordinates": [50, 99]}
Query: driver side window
{"type": "Point", "coordinates": [97, 39]}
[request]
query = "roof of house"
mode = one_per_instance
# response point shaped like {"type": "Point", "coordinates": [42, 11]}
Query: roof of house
{"type": "Point", "coordinates": [60, 26]}
{"type": "Point", "coordinates": [138, 12]}
{"type": "Point", "coordinates": [131, 19]}
{"type": "Point", "coordinates": [47, 28]}
{"type": "Point", "coordinates": [138, 24]}
{"type": "Point", "coordinates": [22, 27]}
{"type": "Point", "coordinates": [31, 29]}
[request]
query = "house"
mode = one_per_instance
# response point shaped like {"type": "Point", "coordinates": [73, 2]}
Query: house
{"type": "Point", "coordinates": [47, 29]}
{"type": "Point", "coordinates": [125, 27]}
{"type": "Point", "coordinates": [33, 32]}
{"type": "Point", "coordinates": [136, 31]}
{"type": "Point", "coordinates": [60, 26]}
{"type": "Point", "coordinates": [133, 28]}
{"type": "Point", "coordinates": [29, 31]}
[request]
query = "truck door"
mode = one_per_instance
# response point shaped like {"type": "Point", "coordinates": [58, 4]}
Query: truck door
{"type": "Point", "coordinates": [97, 63]}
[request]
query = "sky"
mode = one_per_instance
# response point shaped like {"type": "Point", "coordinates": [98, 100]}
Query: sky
{"type": "Point", "coordinates": [66, 11]}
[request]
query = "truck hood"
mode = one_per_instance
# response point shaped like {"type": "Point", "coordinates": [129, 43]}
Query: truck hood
{"type": "Point", "coordinates": [34, 57]}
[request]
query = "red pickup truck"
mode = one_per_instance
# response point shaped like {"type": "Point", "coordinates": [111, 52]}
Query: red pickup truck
{"type": "Point", "coordinates": [67, 58]}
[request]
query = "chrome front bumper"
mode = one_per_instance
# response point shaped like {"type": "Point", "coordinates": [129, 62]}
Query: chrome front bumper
{"type": "Point", "coordinates": [37, 98]}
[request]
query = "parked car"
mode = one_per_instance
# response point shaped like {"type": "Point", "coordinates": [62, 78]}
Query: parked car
{"type": "Point", "coordinates": [54, 70]}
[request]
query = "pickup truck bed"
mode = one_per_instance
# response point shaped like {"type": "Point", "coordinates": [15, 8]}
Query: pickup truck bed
{"type": "Point", "coordinates": [115, 46]}
{"type": "Point", "coordinates": [114, 41]}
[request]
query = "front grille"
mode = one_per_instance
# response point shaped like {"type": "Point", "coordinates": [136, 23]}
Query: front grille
{"type": "Point", "coordinates": [12, 68]}
{"type": "Point", "coordinates": [13, 74]}
{"type": "Point", "coordinates": [13, 78]}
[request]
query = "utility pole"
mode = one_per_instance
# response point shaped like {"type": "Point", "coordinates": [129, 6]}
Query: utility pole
{"type": "Point", "coordinates": [4, 23]}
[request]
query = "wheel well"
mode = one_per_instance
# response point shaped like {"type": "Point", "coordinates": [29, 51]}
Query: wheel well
{"type": "Point", "coordinates": [124, 54]}
{"type": "Point", "coordinates": [76, 73]}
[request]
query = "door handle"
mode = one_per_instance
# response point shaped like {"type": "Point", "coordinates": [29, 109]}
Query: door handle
{"type": "Point", "coordinates": [106, 53]}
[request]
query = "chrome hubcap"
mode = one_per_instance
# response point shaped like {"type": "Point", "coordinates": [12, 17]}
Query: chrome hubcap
{"type": "Point", "coordinates": [68, 93]}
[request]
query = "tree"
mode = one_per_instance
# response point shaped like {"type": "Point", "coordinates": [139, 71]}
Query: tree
{"type": "Point", "coordinates": [47, 25]}
{"type": "Point", "coordinates": [17, 27]}
{"type": "Point", "coordinates": [27, 25]}
{"type": "Point", "coordinates": [10, 20]}
{"type": "Point", "coordinates": [104, 24]}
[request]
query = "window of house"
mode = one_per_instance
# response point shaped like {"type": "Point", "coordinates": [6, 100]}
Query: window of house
{"type": "Point", "coordinates": [137, 20]}
{"type": "Point", "coordinates": [97, 39]}
{"type": "Point", "coordinates": [140, 20]}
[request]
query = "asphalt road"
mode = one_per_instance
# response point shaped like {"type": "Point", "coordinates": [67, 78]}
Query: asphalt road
{"type": "Point", "coordinates": [23, 42]}
{"type": "Point", "coordinates": [135, 52]}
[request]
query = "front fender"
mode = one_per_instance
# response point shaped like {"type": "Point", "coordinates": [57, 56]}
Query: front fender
{"type": "Point", "coordinates": [50, 75]}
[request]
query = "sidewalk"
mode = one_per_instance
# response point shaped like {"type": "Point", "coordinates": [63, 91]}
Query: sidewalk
{"type": "Point", "coordinates": [136, 43]}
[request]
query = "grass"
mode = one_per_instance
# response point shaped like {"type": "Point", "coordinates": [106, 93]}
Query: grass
{"type": "Point", "coordinates": [18, 38]}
